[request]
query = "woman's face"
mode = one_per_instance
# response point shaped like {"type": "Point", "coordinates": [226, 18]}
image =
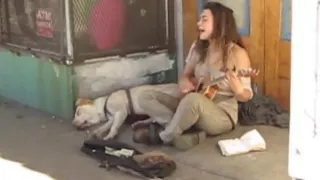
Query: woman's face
{"type": "Point", "coordinates": [205, 25]}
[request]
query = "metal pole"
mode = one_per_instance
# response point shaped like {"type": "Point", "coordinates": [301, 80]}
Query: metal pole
{"type": "Point", "coordinates": [179, 34]}
{"type": "Point", "coordinates": [70, 52]}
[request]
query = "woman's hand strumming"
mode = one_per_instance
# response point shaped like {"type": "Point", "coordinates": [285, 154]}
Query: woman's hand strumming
{"type": "Point", "coordinates": [186, 85]}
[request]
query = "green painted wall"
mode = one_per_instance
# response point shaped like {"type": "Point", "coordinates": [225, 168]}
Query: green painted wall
{"type": "Point", "coordinates": [37, 83]}
{"type": "Point", "coordinates": [45, 85]}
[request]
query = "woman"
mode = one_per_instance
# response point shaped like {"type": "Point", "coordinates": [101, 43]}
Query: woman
{"type": "Point", "coordinates": [219, 46]}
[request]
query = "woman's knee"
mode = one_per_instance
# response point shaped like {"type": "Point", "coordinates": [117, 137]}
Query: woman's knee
{"type": "Point", "coordinates": [215, 125]}
{"type": "Point", "coordinates": [192, 99]}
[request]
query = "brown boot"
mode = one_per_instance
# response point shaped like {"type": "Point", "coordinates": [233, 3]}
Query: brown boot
{"type": "Point", "coordinates": [189, 140]}
{"type": "Point", "coordinates": [148, 134]}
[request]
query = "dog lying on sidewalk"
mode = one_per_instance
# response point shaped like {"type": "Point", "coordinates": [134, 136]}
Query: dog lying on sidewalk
{"type": "Point", "coordinates": [114, 109]}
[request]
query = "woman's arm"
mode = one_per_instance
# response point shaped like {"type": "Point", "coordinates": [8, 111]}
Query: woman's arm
{"type": "Point", "coordinates": [188, 72]}
{"type": "Point", "coordinates": [188, 82]}
{"type": "Point", "coordinates": [242, 62]}
{"type": "Point", "coordinates": [191, 60]}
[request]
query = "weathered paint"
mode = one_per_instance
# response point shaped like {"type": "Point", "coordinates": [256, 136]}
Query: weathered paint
{"type": "Point", "coordinates": [170, 76]}
{"type": "Point", "coordinates": [47, 86]}
{"type": "Point", "coordinates": [38, 83]}
{"type": "Point", "coordinates": [104, 76]}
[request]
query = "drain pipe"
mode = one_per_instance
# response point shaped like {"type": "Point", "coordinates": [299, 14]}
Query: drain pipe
{"type": "Point", "coordinates": [179, 35]}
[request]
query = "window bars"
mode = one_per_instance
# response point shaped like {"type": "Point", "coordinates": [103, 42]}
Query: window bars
{"type": "Point", "coordinates": [72, 31]}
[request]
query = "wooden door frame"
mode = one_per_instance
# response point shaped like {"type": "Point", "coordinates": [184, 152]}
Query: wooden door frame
{"type": "Point", "coordinates": [257, 40]}
{"type": "Point", "coordinates": [190, 18]}
{"type": "Point", "coordinates": [278, 53]}
{"type": "Point", "coordinates": [272, 45]}
{"type": "Point", "coordinates": [254, 43]}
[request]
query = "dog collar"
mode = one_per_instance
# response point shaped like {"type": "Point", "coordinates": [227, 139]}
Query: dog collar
{"type": "Point", "coordinates": [107, 112]}
{"type": "Point", "coordinates": [130, 101]}
{"type": "Point", "coordinates": [105, 109]}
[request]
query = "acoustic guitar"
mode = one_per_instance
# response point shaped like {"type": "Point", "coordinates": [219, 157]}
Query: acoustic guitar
{"type": "Point", "coordinates": [210, 89]}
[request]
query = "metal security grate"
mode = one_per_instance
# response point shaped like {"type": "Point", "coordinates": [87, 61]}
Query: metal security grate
{"type": "Point", "coordinates": [2, 16]}
{"type": "Point", "coordinates": [99, 28]}
{"type": "Point", "coordinates": [118, 27]}
{"type": "Point", "coordinates": [34, 26]}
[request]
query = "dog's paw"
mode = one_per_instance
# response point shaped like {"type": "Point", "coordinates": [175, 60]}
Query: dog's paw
{"type": "Point", "coordinates": [94, 136]}
{"type": "Point", "coordinates": [108, 137]}
{"type": "Point", "coordinates": [97, 134]}
{"type": "Point", "coordinates": [111, 135]}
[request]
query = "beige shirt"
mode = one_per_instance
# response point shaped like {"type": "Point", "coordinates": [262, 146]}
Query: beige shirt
{"type": "Point", "coordinates": [230, 104]}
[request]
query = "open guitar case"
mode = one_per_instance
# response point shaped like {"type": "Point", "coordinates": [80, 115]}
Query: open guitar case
{"type": "Point", "coordinates": [114, 154]}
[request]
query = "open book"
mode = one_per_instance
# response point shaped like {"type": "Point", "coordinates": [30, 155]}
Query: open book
{"type": "Point", "coordinates": [249, 142]}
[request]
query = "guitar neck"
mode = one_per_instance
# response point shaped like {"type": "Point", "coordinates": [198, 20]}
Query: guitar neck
{"type": "Point", "coordinates": [214, 82]}
{"type": "Point", "coordinates": [221, 78]}
{"type": "Point", "coordinates": [250, 73]}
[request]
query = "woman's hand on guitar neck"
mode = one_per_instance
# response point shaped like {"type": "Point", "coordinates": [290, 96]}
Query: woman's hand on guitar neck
{"type": "Point", "coordinates": [234, 82]}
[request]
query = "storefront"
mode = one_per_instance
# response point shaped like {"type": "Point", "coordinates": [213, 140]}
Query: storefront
{"type": "Point", "coordinates": [54, 51]}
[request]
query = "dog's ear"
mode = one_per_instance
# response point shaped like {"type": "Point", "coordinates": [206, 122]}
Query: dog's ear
{"type": "Point", "coordinates": [77, 102]}
{"type": "Point", "coordinates": [82, 101]}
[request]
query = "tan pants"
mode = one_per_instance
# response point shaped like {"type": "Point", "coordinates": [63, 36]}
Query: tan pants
{"type": "Point", "coordinates": [178, 116]}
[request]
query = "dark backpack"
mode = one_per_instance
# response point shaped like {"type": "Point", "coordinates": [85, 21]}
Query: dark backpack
{"type": "Point", "coordinates": [114, 154]}
{"type": "Point", "coordinates": [262, 110]}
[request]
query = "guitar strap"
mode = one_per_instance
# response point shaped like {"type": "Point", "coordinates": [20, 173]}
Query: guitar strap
{"type": "Point", "coordinates": [105, 109]}
{"type": "Point", "coordinates": [131, 109]}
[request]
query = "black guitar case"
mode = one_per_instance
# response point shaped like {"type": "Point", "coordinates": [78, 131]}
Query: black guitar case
{"type": "Point", "coordinates": [114, 154]}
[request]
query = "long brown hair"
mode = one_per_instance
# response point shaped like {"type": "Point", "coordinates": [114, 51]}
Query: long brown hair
{"type": "Point", "coordinates": [225, 31]}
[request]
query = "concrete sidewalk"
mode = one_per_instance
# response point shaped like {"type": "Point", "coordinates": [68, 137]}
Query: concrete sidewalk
{"type": "Point", "coordinates": [51, 146]}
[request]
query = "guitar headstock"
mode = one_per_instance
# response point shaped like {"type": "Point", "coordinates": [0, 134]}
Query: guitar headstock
{"type": "Point", "coordinates": [248, 72]}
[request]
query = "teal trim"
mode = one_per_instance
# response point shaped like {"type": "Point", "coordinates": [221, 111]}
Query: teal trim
{"type": "Point", "coordinates": [40, 84]}
{"type": "Point", "coordinates": [286, 20]}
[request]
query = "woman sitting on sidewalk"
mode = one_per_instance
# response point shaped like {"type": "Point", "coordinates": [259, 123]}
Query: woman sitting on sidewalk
{"type": "Point", "coordinates": [219, 46]}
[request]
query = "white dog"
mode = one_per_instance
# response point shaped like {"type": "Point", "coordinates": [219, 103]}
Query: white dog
{"type": "Point", "coordinates": [114, 109]}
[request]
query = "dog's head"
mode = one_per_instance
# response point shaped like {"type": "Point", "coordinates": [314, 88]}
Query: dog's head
{"type": "Point", "coordinates": [86, 114]}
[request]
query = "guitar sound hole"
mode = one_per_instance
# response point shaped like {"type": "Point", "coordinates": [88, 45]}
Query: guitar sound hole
{"type": "Point", "coordinates": [199, 88]}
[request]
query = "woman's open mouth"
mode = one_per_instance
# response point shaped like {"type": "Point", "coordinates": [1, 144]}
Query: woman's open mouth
{"type": "Point", "coordinates": [201, 31]}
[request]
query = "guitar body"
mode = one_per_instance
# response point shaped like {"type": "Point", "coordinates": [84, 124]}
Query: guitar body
{"type": "Point", "coordinates": [209, 92]}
